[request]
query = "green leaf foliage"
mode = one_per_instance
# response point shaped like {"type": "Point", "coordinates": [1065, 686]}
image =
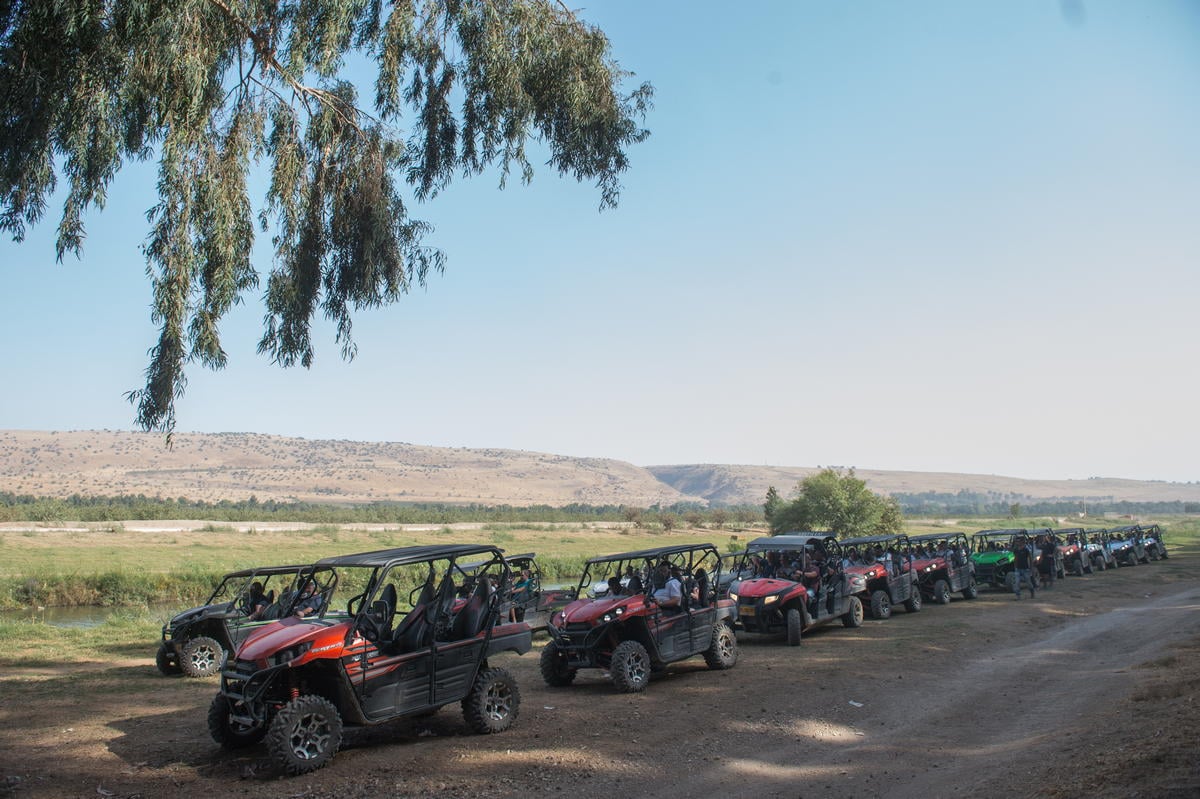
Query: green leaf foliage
{"type": "Point", "coordinates": [840, 503]}
{"type": "Point", "coordinates": [211, 88]}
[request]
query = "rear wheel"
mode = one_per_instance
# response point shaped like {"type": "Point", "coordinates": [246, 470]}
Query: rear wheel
{"type": "Point", "coordinates": [972, 590]}
{"type": "Point", "coordinates": [630, 667]}
{"type": "Point", "coordinates": [493, 703]}
{"type": "Point", "coordinates": [227, 732]}
{"type": "Point", "coordinates": [913, 603]}
{"type": "Point", "coordinates": [722, 653]}
{"type": "Point", "coordinates": [853, 617]}
{"type": "Point", "coordinates": [165, 660]}
{"type": "Point", "coordinates": [941, 592]}
{"type": "Point", "coordinates": [881, 605]}
{"type": "Point", "coordinates": [795, 626]}
{"type": "Point", "coordinates": [305, 734]}
{"type": "Point", "coordinates": [202, 657]}
{"type": "Point", "coordinates": [555, 670]}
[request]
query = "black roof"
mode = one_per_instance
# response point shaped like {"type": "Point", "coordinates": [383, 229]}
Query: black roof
{"type": "Point", "coordinates": [1069, 530]}
{"type": "Point", "coordinates": [402, 555]}
{"type": "Point", "coordinates": [268, 571]}
{"type": "Point", "coordinates": [656, 552]}
{"type": "Point", "coordinates": [872, 539]}
{"type": "Point", "coordinates": [935, 536]}
{"type": "Point", "coordinates": [1129, 528]}
{"type": "Point", "coordinates": [789, 541]}
{"type": "Point", "coordinates": [1011, 531]}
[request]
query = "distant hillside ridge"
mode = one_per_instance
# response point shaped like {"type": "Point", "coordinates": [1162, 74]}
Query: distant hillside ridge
{"type": "Point", "coordinates": [212, 467]}
{"type": "Point", "coordinates": [236, 466]}
{"type": "Point", "coordinates": [735, 485]}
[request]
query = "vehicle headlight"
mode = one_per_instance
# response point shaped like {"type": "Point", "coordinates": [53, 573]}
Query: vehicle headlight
{"type": "Point", "coordinates": [771, 599]}
{"type": "Point", "coordinates": [291, 653]}
{"type": "Point", "coordinates": [733, 596]}
{"type": "Point", "coordinates": [612, 614]}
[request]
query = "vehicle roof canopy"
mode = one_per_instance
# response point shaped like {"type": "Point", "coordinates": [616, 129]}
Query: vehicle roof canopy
{"type": "Point", "coordinates": [403, 555]}
{"type": "Point", "coordinates": [873, 539]}
{"type": "Point", "coordinates": [268, 571]}
{"type": "Point", "coordinates": [935, 536]}
{"type": "Point", "coordinates": [1010, 531]}
{"type": "Point", "coordinates": [789, 541]}
{"type": "Point", "coordinates": [656, 552]}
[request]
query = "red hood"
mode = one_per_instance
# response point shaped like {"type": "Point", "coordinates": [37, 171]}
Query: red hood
{"type": "Point", "coordinates": [286, 633]}
{"type": "Point", "coordinates": [872, 572]}
{"type": "Point", "coordinates": [763, 586]}
{"type": "Point", "coordinates": [922, 563]}
{"type": "Point", "coordinates": [588, 610]}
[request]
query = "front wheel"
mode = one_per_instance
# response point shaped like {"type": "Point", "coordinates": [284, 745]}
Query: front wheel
{"type": "Point", "coordinates": [881, 605]}
{"type": "Point", "coordinates": [941, 592]}
{"type": "Point", "coordinates": [165, 660]}
{"type": "Point", "coordinates": [1079, 568]}
{"type": "Point", "coordinates": [853, 617]}
{"type": "Point", "coordinates": [630, 667]}
{"type": "Point", "coordinates": [305, 734]}
{"type": "Point", "coordinates": [554, 668]}
{"type": "Point", "coordinates": [227, 732]}
{"type": "Point", "coordinates": [795, 626]}
{"type": "Point", "coordinates": [202, 657]}
{"type": "Point", "coordinates": [722, 653]}
{"type": "Point", "coordinates": [493, 703]}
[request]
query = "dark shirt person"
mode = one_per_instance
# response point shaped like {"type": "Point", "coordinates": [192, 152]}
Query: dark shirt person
{"type": "Point", "coordinates": [309, 603]}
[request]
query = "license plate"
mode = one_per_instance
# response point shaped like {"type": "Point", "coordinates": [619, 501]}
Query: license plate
{"type": "Point", "coordinates": [747, 611]}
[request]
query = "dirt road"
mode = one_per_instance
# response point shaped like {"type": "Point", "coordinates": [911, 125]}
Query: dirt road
{"type": "Point", "coordinates": [1089, 690]}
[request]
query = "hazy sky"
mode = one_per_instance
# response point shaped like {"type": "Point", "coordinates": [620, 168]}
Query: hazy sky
{"type": "Point", "coordinates": [951, 236]}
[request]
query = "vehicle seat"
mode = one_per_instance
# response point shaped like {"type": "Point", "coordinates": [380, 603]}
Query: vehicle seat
{"type": "Point", "coordinates": [470, 620]}
{"type": "Point", "coordinates": [383, 609]}
{"type": "Point", "coordinates": [702, 588]}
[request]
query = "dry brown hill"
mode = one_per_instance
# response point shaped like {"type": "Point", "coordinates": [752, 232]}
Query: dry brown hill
{"type": "Point", "coordinates": [236, 466]}
{"type": "Point", "coordinates": [748, 484]}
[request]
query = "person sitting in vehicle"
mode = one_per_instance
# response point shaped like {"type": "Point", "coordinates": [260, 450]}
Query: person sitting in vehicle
{"type": "Point", "coordinates": [256, 601]}
{"type": "Point", "coordinates": [670, 594]}
{"type": "Point", "coordinates": [614, 586]}
{"type": "Point", "coordinates": [851, 558]}
{"type": "Point", "coordinates": [310, 602]}
{"type": "Point", "coordinates": [521, 592]}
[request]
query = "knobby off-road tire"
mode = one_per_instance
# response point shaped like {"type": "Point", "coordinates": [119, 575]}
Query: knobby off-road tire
{"type": "Point", "coordinates": [1010, 581]}
{"type": "Point", "coordinates": [494, 702]}
{"type": "Point", "coordinates": [630, 667]}
{"type": "Point", "coordinates": [165, 660]}
{"type": "Point", "coordinates": [795, 626]}
{"type": "Point", "coordinates": [913, 603]}
{"type": "Point", "coordinates": [853, 617]}
{"type": "Point", "coordinates": [227, 732]}
{"type": "Point", "coordinates": [941, 592]}
{"type": "Point", "coordinates": [881, 605]}
{"type": "Point", "coordinates": [972, 590]}
{"type": "Point", "coordinates": [202, 657]}
{"type": "Point", "coordinates": [1078, 570]}
{"type": "Point", "coordinates": [305, 734]}
{"type": "Point", "coordinates": [722, 653]}
{"type": "Point", "coordinates": [553, 665]}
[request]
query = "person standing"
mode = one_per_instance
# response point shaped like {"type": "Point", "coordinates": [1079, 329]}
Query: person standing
{"type": "Point", "coordinates": [1049, 549]}
{"type": "Point", "coordinates": [1023, 558]}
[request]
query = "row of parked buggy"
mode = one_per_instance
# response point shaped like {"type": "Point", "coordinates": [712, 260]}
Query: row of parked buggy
{"type": "Point", "coordinates": [359, 640]}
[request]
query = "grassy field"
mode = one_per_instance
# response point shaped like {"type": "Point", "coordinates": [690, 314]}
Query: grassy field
{"type": "Point", "coordinates": [112, 566]}
{"type": "Point", "coordinates": [134, 569]}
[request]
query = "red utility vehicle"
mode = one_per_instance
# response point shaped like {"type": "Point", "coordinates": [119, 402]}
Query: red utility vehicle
{"type": "Point", "coordinates": [942, 562]}
{"type": "Point", "coordinates": [791, 583]}
{"type": "Point", "coordinates": [883, 564]}
{"type": "Point", "coordinates": [618, 625]}
{"type": "Point", "coordinates": [388, 634]}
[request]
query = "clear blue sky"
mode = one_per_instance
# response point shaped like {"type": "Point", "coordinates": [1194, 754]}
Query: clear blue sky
{"type": "Point", "coordinates": [956, 236]}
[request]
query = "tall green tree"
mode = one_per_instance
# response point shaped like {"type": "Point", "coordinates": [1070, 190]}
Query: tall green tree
{"type": "Point", "coordinates": [211, 88]}
{"type": "Point", "coordinates": [772, 503]}
{"type": "Point", "coordinates": [840, 503]}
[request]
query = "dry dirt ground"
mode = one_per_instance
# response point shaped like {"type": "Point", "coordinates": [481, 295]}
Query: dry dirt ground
{"type": "Point", "coordinates": [1088, 691]}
